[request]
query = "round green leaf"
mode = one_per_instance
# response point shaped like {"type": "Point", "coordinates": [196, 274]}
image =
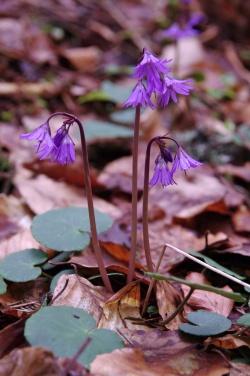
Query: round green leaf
{"type": "Point", "coordinates": [205, 323]}
{"type": "Point", "coordinates": [244, 320]}
{"type": "Point", "coordinates": [67, 229]}
{"type": "Point", "coordinates": [3, 286]}
{"type": "Point", "coordinates": [64, 329]}
{"type": "Point", "coordinates": [22, 266]}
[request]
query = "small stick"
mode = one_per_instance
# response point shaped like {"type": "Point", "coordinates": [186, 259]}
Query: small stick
{"type": "Point", "coordinates": [208, 266]}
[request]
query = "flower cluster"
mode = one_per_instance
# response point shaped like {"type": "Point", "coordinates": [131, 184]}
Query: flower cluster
{"type": "Point", "coordinates": [163, 173]}
{"type": "Point", "coordinates": [59, 148]}
{"type": "Point", "coordinates": [177, 31]}
{"type": "Point", "coordinates": [154, 77]}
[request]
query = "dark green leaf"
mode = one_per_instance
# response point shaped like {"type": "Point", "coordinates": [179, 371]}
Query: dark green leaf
{"type": "Point", "coordinates": [211, 262]}
{"type": "Point", "coordinates": [96, 129]}
{"type": "Point", "coordinates": [198, 286]}
{"type": "Point", "coordinates": [116, 93]}
{"type": "Point", "coordinates": [64, 329]}
{"type": "Point", "coordinates": [22, 266]}
{"type": "Point", "coordinates": [67, 229]}
{"type": "Point", "coordinates": [205, 323]}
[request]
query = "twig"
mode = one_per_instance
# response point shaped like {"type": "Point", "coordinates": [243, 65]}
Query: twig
{"type": "Point", "coordinates": [179, 308]}
{"type": "Point", "coordinates": [208, 266]}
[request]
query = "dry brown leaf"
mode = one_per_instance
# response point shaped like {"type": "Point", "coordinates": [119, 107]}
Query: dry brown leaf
{"type": "Point", "coordinates": [85, 59]}
{"type": "Point", "coordinates": [239, 369]}
{"type": "Point", "coordinates": [125, 303]}
{"type": "Point", "coordinates": [241, 219]}
{"type": "Point", "coordinates": [21, 39]}
{"type": "Point", "coordinates": [242, 172]}
{"type": "Point", "coordinates": [129, 362]}
{"type": "Point", "coordinates": [22, 240]}
{"type": "Point", "coordinates": [80, 293]}
{"type": "Point", "coordinates": [13, 216]}
{"type": "Point", "coordinates": [168, 298]}
{"type": "Point", "coordinates": [10, 337]}
{"type": "Point", "coordinates": [30, 361]}
{"type": "Point", "coordinates": [206, 299]}
{"type": "Point", "coordinates": [228, 342]}
{"type": "Point", "coordinates": [43, 193]}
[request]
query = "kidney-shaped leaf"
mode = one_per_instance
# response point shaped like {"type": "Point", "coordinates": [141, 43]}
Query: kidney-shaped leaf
{"type": "Point", "coordinates": [67, 229]}
{"type": "Point", "coordinates": [244, 320]}
{"type": "Point", "coordinates": [22, 266]}
{"type": "Point", "coordinates": [64, 329]}
{"type": "Point", "coordinates": [3, 286]}
{"type": "Point", "coordinates": [205, 323]}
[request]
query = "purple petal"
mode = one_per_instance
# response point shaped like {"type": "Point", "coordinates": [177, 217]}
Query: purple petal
{"type": "Point", "coordinates": [183, 161]}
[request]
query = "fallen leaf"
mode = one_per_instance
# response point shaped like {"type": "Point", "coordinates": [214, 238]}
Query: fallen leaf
{"type": "Point", "coordinates": [205, 299]}
{"type": "Point", "coordinates": [242, 172]}
{"type": "Point", "coordinates": [39, 194]}
{"type": "Point", "coordinates": [239, 369]}
{"type": "Point", "coordinates": [128, 362]}
{"type": "Point", "coordinates": [10, 337]}
{"type": "Point", "coordinates": [125, 303]}
{"type": "Point", "coordinates": [32, 361]}
{"type": "Point", "coordinates": [22, 240]}
{"type": "Point", "coordinates": [168, 298]}
{"type": "Point", "coordinates": [228, 342]}
{"type": "Point", "coordinates": [79, 293]}
{"type": "Point", "coordinates": [84, 59]}
{"type": "Point", "coordinates": [241, 219]}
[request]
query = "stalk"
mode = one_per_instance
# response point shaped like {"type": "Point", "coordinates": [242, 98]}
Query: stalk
{"type": "Point", "coordinates": [131, 269]}
{"type": "Point", "coordinates": [89, 195]}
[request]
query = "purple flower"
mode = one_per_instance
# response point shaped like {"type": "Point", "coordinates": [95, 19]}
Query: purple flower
{"type": "Point", "coordinates": [183, 161]}
{"type": "Point", "coordinates": [44, 143]}
{"type": "Point", "coordinates": [162, 175]}
{"type": "Point", "coordinates": [172, 87]}
{"type": "Point", "coordinates": [196, 19]}
{"type": "Point", "coordinates": [64, 148]}
{"type": "Point", "coordinates": [175, 31]}
{"type": "Point", "coordinates": [151, 68]}
{"type": "Point", "coordinates": [186, 2]}
{"type": "Point", "coordinates": [139, 96]}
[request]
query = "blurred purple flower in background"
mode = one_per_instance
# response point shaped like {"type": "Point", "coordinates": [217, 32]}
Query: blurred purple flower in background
{"type": "Point", "coordinates": [177, 31]}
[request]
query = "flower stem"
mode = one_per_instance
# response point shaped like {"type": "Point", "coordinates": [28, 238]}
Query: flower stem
{"type": "Point", "coordinates": [131, 269]}
{"type": "Point", "coordinates": [89, 195]}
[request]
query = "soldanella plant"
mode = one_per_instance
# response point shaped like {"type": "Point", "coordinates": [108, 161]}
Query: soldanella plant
{"type": "Point", "coordinates": [155, 87]}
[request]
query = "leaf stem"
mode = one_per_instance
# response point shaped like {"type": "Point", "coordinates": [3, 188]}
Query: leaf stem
{"type": "Point", "coordinates": [89, 195]}
{"type": "Point", "coordinates": [131, 269]}
{"type": "Point", "coordinates": [208, 266]}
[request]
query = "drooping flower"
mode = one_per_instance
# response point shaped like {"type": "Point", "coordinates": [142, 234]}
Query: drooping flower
{"type": "Point", "coordinates": [139, 96]}
{"type": "Point", "coordinates": [162, 175]}
{"type": "Point", "coordinates": [151, 69]}
{"type": "Point", "coordinates": [42, 138]}
{"type": "Point", "coordinates": [64, 148]}
{"type": "Point", "coordinates": [183, 161]}
{"type": "Point", "coordinates": [172, 87]}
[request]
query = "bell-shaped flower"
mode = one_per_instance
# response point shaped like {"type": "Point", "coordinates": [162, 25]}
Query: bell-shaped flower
{"type": "Point", "coordinates": [42, 138]}
{"type": "Point", "coordinates": [139, 97]}
{"type": "Point", "coordinates": [162, 175]}
{"type": "Point", "coordinates": [183, 161]}
{"type": "Point", "coordinates": [172, 87]}
{"type": "Point", "coordinates": [64, 148]}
